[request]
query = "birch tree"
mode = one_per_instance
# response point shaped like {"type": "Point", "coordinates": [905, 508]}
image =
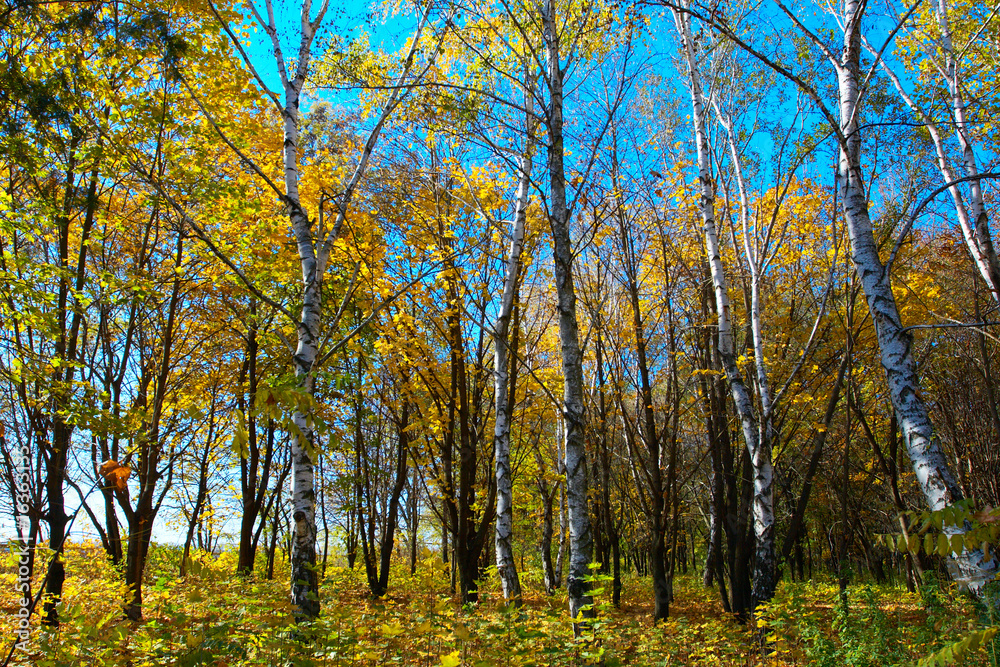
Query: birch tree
{"type": "Point", "coordinates": [763, 228]}
{"type": "Point", "coordinates": [940, 489]}
{"type": "Point", "coordinates": [970, 208]}
{"type": "Point", "coordinates": [759, 448]}
{"type": "Point", "coordinates": [553, 44]}
{"type": "Point", "coordinates": [503, 366]}
{"type": "Point", "coordinates": [971, 568]}
{"type": "Point", "coordinates": [314, 247]}
{"type": "Point", "coordinates": [937, 483]}
{"type": "Point", "coordinates": [581, 542]}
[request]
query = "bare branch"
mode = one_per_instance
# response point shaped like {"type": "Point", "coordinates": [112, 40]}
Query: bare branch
{"type": "Point", "coordinates": [920, 207]}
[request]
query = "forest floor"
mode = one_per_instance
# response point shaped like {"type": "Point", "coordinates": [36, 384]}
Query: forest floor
{"type": "Point", "coordinates": [213, 617]}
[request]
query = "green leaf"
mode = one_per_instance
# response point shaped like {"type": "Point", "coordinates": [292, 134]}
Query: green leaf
{"type": "Point", "coordinates": [943, 545]}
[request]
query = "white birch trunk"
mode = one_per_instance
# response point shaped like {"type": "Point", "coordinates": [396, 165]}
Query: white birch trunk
{"type": "Point", "coordinates": [757, 440]}
{"type": "Point", "coordinates": [563, 514]}
{"type": "Point", "coordinates": [305, 587]}
{"type": "Point", "coordinates": [304, 581]}
{"type": "Point", "coordinates": [975, 227]}
{"type": "Point", "coordinates": [982, 248]}
{"type": "Point", "coordinates": [936, 481]}
{"type": "Point", "coordinates": [581, 541]}
{"type": "Point", "coordinates": [761, 458]}
{"type": "Point", "coordinates": [506, 568]}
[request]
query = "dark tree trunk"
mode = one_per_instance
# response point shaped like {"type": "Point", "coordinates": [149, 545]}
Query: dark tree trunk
{"type": "Point", "coordinates": [202, 495]}
{"type": "Point", "coordinates": [379, 586]}
{"type": "Point", "coordinates": [55, 473]}
{"type": "Point", "coordinates": [740, 539]}
{"type": "Point", "coordinates": [71, 281]}
{"type": "Point", "coordinates": [545, 539]}
{"type": "Point", "coordinates": [413, 500]}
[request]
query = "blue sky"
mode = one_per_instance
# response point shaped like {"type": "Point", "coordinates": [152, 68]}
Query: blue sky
{"type": "Point", "coordinates": [343, 23]}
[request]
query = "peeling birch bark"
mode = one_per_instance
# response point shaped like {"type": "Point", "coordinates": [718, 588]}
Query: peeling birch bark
{"type": "Point", "coordinates": [581, 541]}
{"type": "Point", "coordinates": [758, 441]}
{"type": "Point", "coordinates": [502, 382]}
{"type": "Point", "coordinates": [940, 489]}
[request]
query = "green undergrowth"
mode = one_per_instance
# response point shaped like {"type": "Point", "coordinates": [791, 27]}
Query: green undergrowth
{"type": "Point", "coordinates": [213, 617]}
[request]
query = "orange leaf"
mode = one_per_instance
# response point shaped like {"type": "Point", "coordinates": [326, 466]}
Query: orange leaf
{"type": "Point", "coordinates": [115, 474]}
{"type": "Point", "coordinates": [121, 476]}
{"type": "Point", "coordinates": [987, 515]}
{"type": "Point", "coordinates": [108, 466]}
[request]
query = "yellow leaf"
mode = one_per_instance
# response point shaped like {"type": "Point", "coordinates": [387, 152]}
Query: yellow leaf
{"type": "Point", "coordinates": [391, 630]}
{"type": "Point", "coordinates": [451, 660]}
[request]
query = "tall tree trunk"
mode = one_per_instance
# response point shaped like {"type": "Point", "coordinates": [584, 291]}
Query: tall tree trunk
{"type": "Point", "coordinates": [141, 518]}
{"type": "Point", "coordinates": [504, 370]}
{"type": "Point", "coordinates": [469, 535]}
{"type": "Point", "coordinates": [842, 566]}
{"type": "Point", "coordinates": [971, 568]}
{"type": "Point", "coordinates": [717, 430]}
{"type": "Point", "coordinates": [563, 512]}
{"type": "Point", "coordinates": [323, 518]}
{"type": "Point", "coordinates": [547, 495]}
{"type": "Point", "coordinates": [272, 547]}
{"type": "Point", "coordinates": [381, 585]}
{"type": "Point", "coordinates": [581, 543]}
{"type": "Point", "coordinates": [56, 455]}
{"type": "Point", "coordinates": [199, 502]}
{"type": "Point", "coordinates": [672, 485]}
{"type": "Point", "coordinates": [255, 468]}
{"type": "Point", "coordinates": [740, 538]}
{"type": "Point", "coordinates": [55, 472]}
{"type": "Point", "coordinates": [758, 442]}
{"type": "Point", "coordinates": [413, 501]}
{"type": "Point", "coordinates": [658, 509]}
{"type": "Point", "coordinates": [604, 453]}
{"type": "Point", "coordinates": [304, 582]}
{"type": "Point", "coordinates": [313, 258]}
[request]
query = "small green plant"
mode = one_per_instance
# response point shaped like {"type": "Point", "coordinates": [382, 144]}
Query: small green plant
{"type": "Point", "coordinates": [860, 634]}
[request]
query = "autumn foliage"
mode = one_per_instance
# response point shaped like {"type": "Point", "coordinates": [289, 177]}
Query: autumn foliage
{"type": "Point", "coordinates": [499, 333]}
